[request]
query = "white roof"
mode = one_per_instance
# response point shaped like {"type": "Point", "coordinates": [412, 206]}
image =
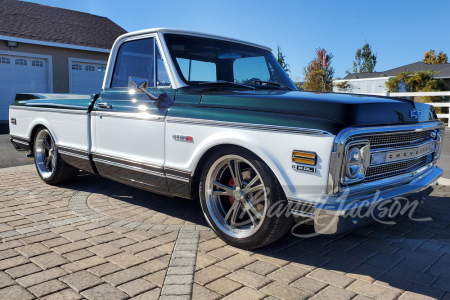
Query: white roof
{"type": "Point", "coordinates": [193, 33]}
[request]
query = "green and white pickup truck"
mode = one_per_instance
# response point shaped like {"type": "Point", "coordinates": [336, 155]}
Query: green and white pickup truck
{"type": "Point", "coordinates": [215, 119]}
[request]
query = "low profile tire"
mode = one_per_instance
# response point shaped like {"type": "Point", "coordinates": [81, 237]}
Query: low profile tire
{"type": "Point", "coordinates": [49, 164]}
{"type": "Point", "coordinates": [240, 195]}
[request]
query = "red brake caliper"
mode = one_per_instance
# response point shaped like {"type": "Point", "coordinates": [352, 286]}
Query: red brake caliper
{"type": "Point", "coordinates": [231, 183]}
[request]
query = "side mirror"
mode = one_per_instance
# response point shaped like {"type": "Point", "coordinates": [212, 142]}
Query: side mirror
{"type": "Point", "coordinates": [136, 83]}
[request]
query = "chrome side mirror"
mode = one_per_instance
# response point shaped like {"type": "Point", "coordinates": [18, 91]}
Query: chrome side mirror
{"type": "Point", "coordinates": [136, 83]}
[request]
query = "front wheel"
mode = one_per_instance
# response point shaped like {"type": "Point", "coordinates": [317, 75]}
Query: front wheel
{"type": "Point", "coordinates": [242, 200]}
{"type": "Point", "coordinates": [49, 164]}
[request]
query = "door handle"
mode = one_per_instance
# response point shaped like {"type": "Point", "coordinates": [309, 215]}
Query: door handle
{"type": "Point", "coordinates": [105, 105]}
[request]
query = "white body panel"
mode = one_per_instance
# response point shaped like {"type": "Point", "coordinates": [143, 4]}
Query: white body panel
{"type": "Point", "coordinates": [69, 129]}
{"type": "Point", "coordinates": [137, 139]}
{"type": "Point", "coordinates": [274, 148]}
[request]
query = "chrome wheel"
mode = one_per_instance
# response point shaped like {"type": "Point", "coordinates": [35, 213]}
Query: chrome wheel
{"type": "Point", "coordinates": [236, 197]}
{"type": "Point", "coordinates": [45, 153]}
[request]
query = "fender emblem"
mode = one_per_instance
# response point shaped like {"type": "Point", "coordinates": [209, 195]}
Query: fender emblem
{"type": "Point", "coordinates": [183, 138]}
{"type": "Point", "coordinates": [415, 113]}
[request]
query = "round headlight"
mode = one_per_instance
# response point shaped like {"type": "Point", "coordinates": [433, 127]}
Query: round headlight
{"type": "Point", "coordinates": [354, 162]}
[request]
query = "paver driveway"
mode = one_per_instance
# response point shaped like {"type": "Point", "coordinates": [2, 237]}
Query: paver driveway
{"type": "Point", "coordinates": [97, 239]}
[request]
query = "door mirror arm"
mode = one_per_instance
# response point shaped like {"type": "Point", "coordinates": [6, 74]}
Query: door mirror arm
{"type": "Point", "coordinates": [136, 83]}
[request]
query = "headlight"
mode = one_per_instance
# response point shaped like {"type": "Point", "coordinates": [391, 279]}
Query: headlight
{"type": "Point", "coordinates": [437, 149]}
{"type": "Point", "coordinates": [357, 159]}
{"type": "Point", "coordinates": [354, 162]}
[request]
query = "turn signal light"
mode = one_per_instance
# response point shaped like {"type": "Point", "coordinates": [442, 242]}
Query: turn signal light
{"type": "Point", "coordinates": [307, 158]}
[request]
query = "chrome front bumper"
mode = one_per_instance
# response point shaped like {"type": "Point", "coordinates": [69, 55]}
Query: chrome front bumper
{"type": "Point", "coordinates": [348, 214]}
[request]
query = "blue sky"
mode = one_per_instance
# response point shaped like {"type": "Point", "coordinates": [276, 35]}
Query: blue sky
{"type": "Point", "coordinates": [399, 31]}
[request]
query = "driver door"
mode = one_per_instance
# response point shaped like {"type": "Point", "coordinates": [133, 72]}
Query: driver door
{"type": "Point", "coordinates": [128, 129]}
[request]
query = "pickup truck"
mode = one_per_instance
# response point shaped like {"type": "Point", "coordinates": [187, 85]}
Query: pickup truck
{"type": "Point", "coordinates": [216, 119]}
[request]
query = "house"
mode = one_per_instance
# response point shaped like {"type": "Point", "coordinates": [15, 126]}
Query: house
{"type": "Point", "coordinates": [375, 82]}
{"type": "Point", "coordinates": [47, 49]}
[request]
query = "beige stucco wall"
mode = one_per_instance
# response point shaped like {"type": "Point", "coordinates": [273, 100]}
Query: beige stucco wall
{"type": "Point", "coordinates": [60, 60]}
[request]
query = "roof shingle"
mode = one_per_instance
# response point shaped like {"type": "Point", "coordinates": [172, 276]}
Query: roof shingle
{"type": "Point", "coordinates": [443, 70]}
{"type": "Point", "coordinates": [52, 24]}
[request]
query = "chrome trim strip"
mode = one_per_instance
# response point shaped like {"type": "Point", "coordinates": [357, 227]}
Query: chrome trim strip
{"type": "Point", "coordinates": [337, 156]}
{"type": "Point", "coordinates": [133, 168]}
{"type": "Point", "coordinates": [55, 110]}
{"type": "Point", "coordinates": [18, 138]}
{"type": "Point", "coordinates": [248, 126]}
{"type": "Point", "coordinates": [74, 155]}
{"type": "Point", "coordinates": [170, 176]}
{"type": "Point", "coordinates": [21, 142]}
{"type": "Point", "coordinates": [178, 174]}
{"type": "Point", "coordinates": [123, 162]}
{"type": "Point", "coordinates": [66, 149]}
{"type": "Point", "coordinates": [122, 115]}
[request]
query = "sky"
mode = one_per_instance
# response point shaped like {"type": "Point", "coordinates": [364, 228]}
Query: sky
{"type": "Point", "coordinates": [399, 31]}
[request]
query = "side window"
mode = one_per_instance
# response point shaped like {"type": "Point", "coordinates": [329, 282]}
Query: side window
{"type": "Point", "coordinates": [163, 78]}
{"type": "Point", "coordinates": [196, 70]}
{"type": "Point", "coordinates": [250, 67]}
{"type": "Point", "coordinates": [135, 58]}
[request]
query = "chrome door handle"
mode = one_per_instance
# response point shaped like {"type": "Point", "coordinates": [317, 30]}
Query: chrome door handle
{"type": "Point", "coordinates": [105, 105]}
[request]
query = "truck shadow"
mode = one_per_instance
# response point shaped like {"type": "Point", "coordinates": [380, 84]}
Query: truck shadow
{"type": "Point", "coordinates": [407, 256]}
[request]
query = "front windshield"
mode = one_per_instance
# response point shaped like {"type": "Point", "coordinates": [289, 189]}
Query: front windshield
{"type": "Point", "coordinates": [208, 60]}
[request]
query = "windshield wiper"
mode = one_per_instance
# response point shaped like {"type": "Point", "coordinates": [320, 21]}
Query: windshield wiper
{"type": "Point", "coordinates": [274, 83]}
{"type": "Point", "coordinates": [226, 83]}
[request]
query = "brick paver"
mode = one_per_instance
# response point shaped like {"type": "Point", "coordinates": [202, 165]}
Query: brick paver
{"type": "Point", "coordinates": [96, 239]}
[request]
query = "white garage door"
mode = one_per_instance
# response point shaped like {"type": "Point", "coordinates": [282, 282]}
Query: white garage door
{"type": "Point", "coordinates": [86, 78]}
{"type": "Point", "coordinates": [20, 74]}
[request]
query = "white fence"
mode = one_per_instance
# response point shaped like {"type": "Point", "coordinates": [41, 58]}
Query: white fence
{"type": "Point", "coordinates": [421, 94]}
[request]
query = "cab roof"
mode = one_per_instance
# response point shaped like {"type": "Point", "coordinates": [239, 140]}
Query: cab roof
{"type": "Point", "coordinates": [192, 33]}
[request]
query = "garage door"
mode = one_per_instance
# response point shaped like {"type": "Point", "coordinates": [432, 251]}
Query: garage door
{"type": "Point", "coordinates": [86, 78]}
{"type": "Point", "coordinates": [19, 74]}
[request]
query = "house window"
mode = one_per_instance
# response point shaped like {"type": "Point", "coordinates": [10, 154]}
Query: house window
{"type": "Point", "coordinates": [101, 69]}
{"type": "Point", "coordinates": [5, 60]}
{"type": "Point", "coordinates": [77, 67]}
{"type": "Point", "coordinates": [37, 63]}
{"type": "Point", "coordinates": [90, 68]}
{"type": "Point", "coordinates": [21, 62]}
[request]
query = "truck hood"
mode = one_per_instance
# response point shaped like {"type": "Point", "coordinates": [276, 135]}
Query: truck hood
{"type": "Point", "coordinates": [347, 109]}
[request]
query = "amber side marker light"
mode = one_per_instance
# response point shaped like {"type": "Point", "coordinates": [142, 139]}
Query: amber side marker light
{"type": "Point", "coordinates": [302, 157]}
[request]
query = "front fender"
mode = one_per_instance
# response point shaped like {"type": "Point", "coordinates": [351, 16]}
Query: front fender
{"type": "Point", "coordinates": [274, 148]}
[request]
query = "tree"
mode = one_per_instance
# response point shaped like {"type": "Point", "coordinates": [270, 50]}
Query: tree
{"type": "Point", "coordinates": [319, 72]}
{"type": "Point", "coordinates": [282, 61]}
{"type": "Point", "coordinates": [429, 57]}
{"type": "Point", "coordinates": [365, 61]}
{"type": "Point", "coordinates": [344, 87]}
{"type": "Point", "coordinates": [421, 81]}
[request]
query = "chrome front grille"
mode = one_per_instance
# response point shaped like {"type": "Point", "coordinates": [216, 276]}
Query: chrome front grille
{"type": "Point", "coordinates": [398, 139]}
{"type": "Point", "coordinates": [397, 168]}
{"type": "Point", "coordinates": [394, 141]}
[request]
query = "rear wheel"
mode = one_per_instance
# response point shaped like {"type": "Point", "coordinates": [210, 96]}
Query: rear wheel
{"type": "Point", "coordinates": [238, 193]}
{"type": "Point", "coordinates": [51, 168]}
